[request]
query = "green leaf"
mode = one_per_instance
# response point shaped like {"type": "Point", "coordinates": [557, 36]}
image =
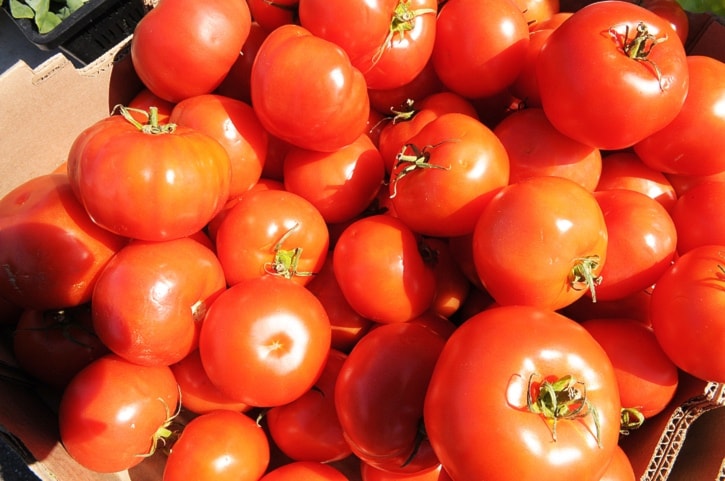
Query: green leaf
{"type": "Point", "coordinates": [46, 22]}
{"type": "Point", "coordinates": [47, 14]}
{"type": "Point", "coordinates": [716, 7]}
{"type": "Point", "coordinates": [74, 5]}
{"type": "Point", "coordinates": [20, 10]}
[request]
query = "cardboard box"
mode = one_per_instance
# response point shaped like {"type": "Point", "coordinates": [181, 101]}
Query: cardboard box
{"type": "Point", "coordinates": [43, 109]}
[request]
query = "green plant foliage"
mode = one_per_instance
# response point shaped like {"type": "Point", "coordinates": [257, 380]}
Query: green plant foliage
{"type": "Point", "coordinates": [704, 6]}
{"type": "Point", "coordinates": [47, 14]}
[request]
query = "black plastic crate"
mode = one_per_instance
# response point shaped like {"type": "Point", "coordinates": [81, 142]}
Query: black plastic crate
{"type": "Point", "coordinates": [90, 31]}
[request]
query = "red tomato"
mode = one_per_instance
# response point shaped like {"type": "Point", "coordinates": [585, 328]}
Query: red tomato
{"type": "Point", "coordinates": [340, 184]}
{"type": "Point", "coordinates": [452, 285]}
{"type": "Point", "coordinates": [380, 392]}
{"type": "Point", "coordinates": [146, 99]}
{"type": "Point", "coordinates": [646, 377]}
{"type": "Point", "coordinates": [552, 404]}
{"type": "Point", "coordinates": [113, 412]}
{"type": "Point", "coordinates": [673, 12]}
{"type": "Point", "coordinates": [392, 285]}
{"type": "Point", "coordinates": [537, 11]}
{"type": "Point", "coordinates": [526, 86]}
{"type": "Point", "coordinates": [173, 52]}
{"type": "Point", "coordinates": [446, 174]}
{"type": "Point", "coordinates": [265, 341]}
{"type": "Point", "coordinates": [620, 468]}
{"type": "Point", "coordinates": [272, 233]}
{"type": "Point", "coordinates": [635, 306]}
{"type": "Point", "coordinates": [198, 394]}
{"type": "Point", "coordinates": [683, 183]}
{"type": "Point", "coordinates": [697, 216]}
{"type": "Point", "coordinates": [625, 170]}
{"type": "Point", "coordinates": [235, 126]}
{"type": "Point", "coordinates": [50, 250]}
{"type": "Point", "coordinates": [271, 15]}
{"type": "Point", "coordinates": [150, 182]}
{"type": "Point", "coordinates": [305, 90]}
{"type": "Point", "coordinates": [387, 101]}
{"type": "Point", "coordinates": [151, 298]}
{"type": "Point", "coordinates": [54, 345]}
{"type": "Point", "coordinates": [485, 56]}
{"type": "Point", "coordinates": [686, 312]}
{"type": "Point", "coordinates": [540, 242]}
{"type": "Point", "coordinates": [612, 74]}
{"type": "Point", "coordinates": [308, 429]}
{"type": "Point", "coordinates": [680, 146]}
{"type": "Point", "coordinates": [369, 472]}
{"type": "Point", "coordinates": [536, 148]}
{"type": "Point", "coordinates": [221, 445]}
{"type": "Point", "coordinates": [642, 242]}
{"type": "Point", "coordinates": [236, 83]}
{"type": "Point", "coordinates": [304, 471]}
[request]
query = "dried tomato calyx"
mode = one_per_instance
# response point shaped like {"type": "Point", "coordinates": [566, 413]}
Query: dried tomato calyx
{"type": "Point", "coordinates": [151, 126]}
{"type": "Point", "coordinates": [403, 20]}
{"type": "Point", "coordinates": [419, 159]}
{"type": "Point", "coordinates": [582, 275]}
{"type": "Point", "coordinates": [639, 46]}
{"type": "Point", "coordinates": [286, 260]}
{"type": "Point", "coordinates": [630, 418]}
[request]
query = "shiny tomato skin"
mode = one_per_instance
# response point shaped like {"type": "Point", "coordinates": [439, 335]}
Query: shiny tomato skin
{"type": "Point", "coordinates": [387, 101]}
{"type": "Point", "coordinates": [173, 52]}
{"type": "Point", "coordinates": [620, 468]}
{"type": "Point", "coordinates": [151, 299]}
{"type": "Point", "coordinates": [225, 435]}
{"type": "Point", "coordinates": [371, 473]}
{"type": "Point", "coordinates": [532, 234]}
{"type": "Point", "coordinates": [488, 362]}
{"type": "Point", "coordinates": [686, 312]}
{"type": "Point", "coordinates": [595, 93]}
{"type": "Point", "coordinates": [304, 471]}
{"type": "Point", "coordinates": [236, 83]}
{"type": "Point", "coordinates": [486, 55]}
{"type": "Point", "coordinates": [306, 91]}
{"type": "Point", "coordinates": [149, 186]}
{"type": "Point", "coordinates": [526, 87]}
{"type": "Point", "coordinates": [235, 126]}
{"type": "Point", "coordinates": [50, 250]}
{"type": "Point", "coordinates": [393, 285]}
{"type": "Point", "coordinates": [265, 341]}
{"type": "Point", "coordinates": [271, 15]}
{"type": "Point", "coordinates": [467, 164]}
{"type": "Point", "coordinates": [111, 410]}
{"type": "Point", "coordinates": [697, 216]}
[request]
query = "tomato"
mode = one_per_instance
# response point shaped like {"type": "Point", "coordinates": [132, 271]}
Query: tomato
{"type": "Point", "coordinates": [673, 12]}
{"type": "Point", "coordinates": [236, 83]}
{"type": "Point", "coordinates": [634, 306]}
{"type": "Point", "coordinates": [625, 170]}
{"type": "Point", "coordinates": [697, 216]}
{"type": "Point", "coordinates": [265, 341]}
{"type": "Point", "coordinates": [540, 242]}
{"type": "Point", "coordinates": [535, 148]}
{"type": "Point", "coordinates": [445, 175]}
{"type": "Point", "coordinates": [394, 284]}
{"type": "Point", "coordinates": [235, 126]}
{"type": "Point", "coordinates": [173, 52]}
{"type": "Point", "coordinates": [550, 396]}
{"type": "Point", "coordinates": [526, 86]}
{"type": "Point", "coordinates": [387, 101]}
{"type": "Point", "coordinates": [339, 184]}
{"type": "Point", "coordinates": [308, 429]}
{"type": "Point", "coordinates": [642, 242]}
{"type": "Point", "coordinates": [646, 377]}
{"type": "Point", "coordinates": [198, 394]}
{"type": "Point", "coordinates": [220, 445]}
{"type": "Point", "coordinates": [304, 471]}
{"type": "Point", "coordinates": [620, 468]}
{"type": "Point", "coordinates": [536, 11]}
{"type": "Point", "coordinates": [612, 74]}
{"type": "Point", "coordinates": [113, 411]}
{"type": "Point", "coordinates": [146, 99]}
{"type": "Point", "coordinates": [150, 182]}
{"type": "Point", "coordinates": [151, 298]}
{"type": "Point", "coordinates": [683, 183]}
{"type": "Point", "coordinates": [54, 345]}
{"type": "Point", "coordinates": [369, 472]}
{"type": "Point", "coordinates": [452, 285]}
{"type": "Point", "coordinates": [272, 233]}
{"type": "Point", "coordinates": [486, 55]}
{"type": "Point", "coordinates": [50, 250]}
{"type": "Point", "coordinates": [380, 392]}
{"type": "Point", "coordinates": [686, 312]}
{"type": "Point", "coordinates": [306, 91]}
{"type": "Point", "coordinates": [271, 15]}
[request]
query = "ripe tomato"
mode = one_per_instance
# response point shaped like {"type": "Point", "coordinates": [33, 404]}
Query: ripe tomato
{"type": "Point", "coordinates": [387, 101]}
{"type": "Point", "coordinates": [641, 242]}
{"type": "Point", "coordinates": [175, 55]}
{"type": "Point", "coordinates": [686, 312]}
{"type": "Point", "coordinates": [222, 445]}
{"type": "Point", "coordinates": [698, 218]}
{"type": "Point", "coordinates": [50, 250]}
{"type": "Point", "coordinates": [304, 471]}
{"type": "Point", "coordinates": [305, 90]}
{"type": "Point", "coordinates": [151, 182]}
{"type": "Point", "coordinates": [380, 392]}
{"type": "Point", "coordinates": [113, 412]}
{"type": "Point", "coordinates": [272, 233]}
{"type": "Point", "coordinates": [146, 99]}
{"type": "Point", "coordinates": [380, 270]}
{"type": "Point", "coordinates": [236, 83]}
{"type": "Point", "coordinates": [526, 86]}
{"type": "Point", "coordinates": [535, 148]}
{"type": "Point", "coordinates": [308, 429]}
{"type": "Point", "coordinates": [271, 15]}
{"type": "Point", "coordinates": [646, 377]}
{"type": "Point", "coordinates": [672, 11]}
{"type": "Point", "coordinates": [265, 341]}
{"type": "Point", "coordinates": [540, 242]}
{"type": "Point", "coordinates": [340, 184]}
{"type": "Point", "coordinates": [551, 398]}
{"type": "Point", "coordinates": [151, 298]}
{"type": "Point", "coordinates": [54, 345]}
{"type": "Point", "coordinates": [369, 472]}
{"type": "Point", "coordinates": [445, 175]}
{"type": "Point", "coordinates": [452, 285]}
{"type": "Point", "coordinates": [486, 56]}
{"type": "Point", "coordinates": [620, 468]}
{"type": "Point", "coordinates": [678, 147]}
{"type": "Point", "coordinates": [537, 11]}
{"type": "Point", "coordinates": [235, 126]}
{"type": "Point", "coordinates": [612, 74]}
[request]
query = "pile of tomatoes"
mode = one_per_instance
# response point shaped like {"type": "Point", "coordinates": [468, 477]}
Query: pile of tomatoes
{"type": "Point", "coordinates": [380, 240]}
